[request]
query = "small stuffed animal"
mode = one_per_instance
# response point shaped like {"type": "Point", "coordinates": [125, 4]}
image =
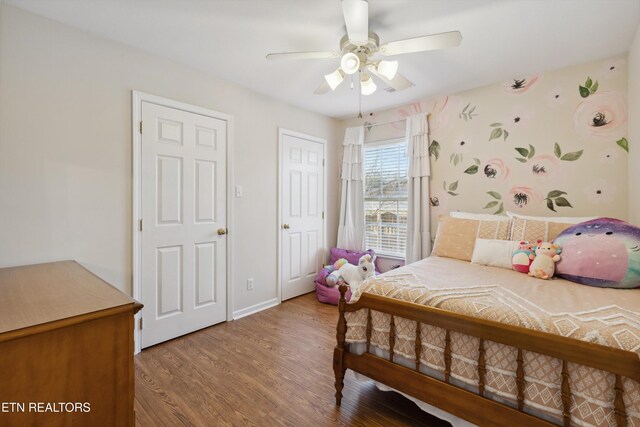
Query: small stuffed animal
{"type": "Point", "coordinates": [333, 279]}
{"type": "Point", "coordinates": [523, 257]}
{"type": "Point", "coordinates": [543, 265]}
{"type": "Point", "coordinates": [354, 275]}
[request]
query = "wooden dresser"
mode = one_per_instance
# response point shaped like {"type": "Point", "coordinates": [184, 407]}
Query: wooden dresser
{"type": "Point", "coordinates": [66, 348]}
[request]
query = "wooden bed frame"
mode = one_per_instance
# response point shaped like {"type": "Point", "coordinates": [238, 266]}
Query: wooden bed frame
{"type": "Point", "coordinates": [470, 406]}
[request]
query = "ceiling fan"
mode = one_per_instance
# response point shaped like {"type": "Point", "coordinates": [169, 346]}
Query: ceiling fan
{"type": "Point", "coordinates": [360, 51]}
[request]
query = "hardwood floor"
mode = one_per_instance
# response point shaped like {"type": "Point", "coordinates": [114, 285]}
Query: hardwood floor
{"type": "Point", "coordinates": [269, 369]}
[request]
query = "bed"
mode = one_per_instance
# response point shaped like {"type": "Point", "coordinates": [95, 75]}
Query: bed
{"type": "Point", "coordinates": [495, 347]}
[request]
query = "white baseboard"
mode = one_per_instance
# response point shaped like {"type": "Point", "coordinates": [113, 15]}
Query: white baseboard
{"type": "Point", "coordinates": [255, 308]}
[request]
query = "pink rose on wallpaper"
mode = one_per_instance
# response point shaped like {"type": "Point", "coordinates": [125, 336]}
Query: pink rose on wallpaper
{"type": "Point", "coordinates": [496, 169]}
{"type": "Point", "coordinates": [521, 84]}
{"type": "Point", "coordinates": [545, 166]}
{"type": "Point", "coordinates": [602, 117]}
{"type": "Point", "coordinates": [438, 202]}
{"type": "Point", "coordinates": [521, 195]}
{"type": "Point", "coordinates": [407, 111]}
{"type": "Point", "coordinates": [442, 109]}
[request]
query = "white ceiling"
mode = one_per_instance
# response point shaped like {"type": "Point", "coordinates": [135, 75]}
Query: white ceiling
{"type": "Point", "coordinates": [229, 39]}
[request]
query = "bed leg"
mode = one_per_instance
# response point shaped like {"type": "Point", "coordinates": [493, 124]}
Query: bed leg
{"type": "Point", "coordinates": [338, 352]}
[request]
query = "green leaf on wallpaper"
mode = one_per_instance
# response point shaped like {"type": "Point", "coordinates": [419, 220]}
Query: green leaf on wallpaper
{"type": "Point", "coordinates": [451, 157]}
{"type": "Point", "coordinates": [532, 151]}
{"type": "Point", "coordinates": [444, 185]}
{"type": "Point", "coordinates": [624, 144]}
{"type": "Point", "coordinates": [500, 209]}
{"type": "Point", "coordinates": [523, 151]}
{"type": "Point", "coordinates": [496, 125]}
{"type": "Point", "coordinates": [477, 161]}
{"type": "Point", "coordinates": [556, 150]}
{"type": "Point", "coordinates": [589, 82]}
{"type": "Point", "coordinates": [467, 115]}
{"type": "Point", "coordinates": [550, 205]}
{"type": "Point", "coordinates": [594, 88]}
{"type": "Point", "coordinates": [570, 157]}
{"type": "Point", "coordinates": [506, 134]}
{"type": "Point", "coordinates": [453, 186]}
{"type": "Point", "coordinates": [555, 193]}
{"type": "Point", "coordinates": [561, 201]}
{"type": "Point", "coordinates": [491, 204]}
{"type": "Point", "coordinates": [434, 149]}
{"type": "Point", "coordinates": [521, 160]}
{"type": "Point", "coordinates": [452, 193]}
{"type": "Point", "coordinates": [471, 170]}
{"type": "Point", "coordinates": [495, 134]}
{"type": "Point", "coordinates": [584, 92]}
{"type": "Point", "coordinates": [494, 194]}
{"type": "Point", "coordinates": [456, 158]}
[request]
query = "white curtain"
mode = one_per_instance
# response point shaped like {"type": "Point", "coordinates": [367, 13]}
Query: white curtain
{"type": "Point", "coordinates": [418, 225]}
{"type": "Point", "coordinates": [351, 226]}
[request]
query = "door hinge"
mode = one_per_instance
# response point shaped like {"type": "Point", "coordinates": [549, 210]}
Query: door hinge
{"type": "Point", "coordinates": [140, 224]}
{"type": "Point", "coordinates": [141, 319]}
{"type": "Point", "coordinates": [322, 162]}
{"type": "Point", "coordinates": [322, 215]}
{"type": "Point", "coordinates": [141, 126]}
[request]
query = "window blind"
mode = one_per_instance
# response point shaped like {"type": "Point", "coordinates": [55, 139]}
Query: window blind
{"type": "Point", "coordinates": [385, 197]}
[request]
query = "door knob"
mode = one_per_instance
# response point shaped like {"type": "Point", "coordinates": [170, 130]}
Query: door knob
{"type": "Point", "coordinates": [285, 226]}
{"type": "Point", "coordinates": [222, 231]}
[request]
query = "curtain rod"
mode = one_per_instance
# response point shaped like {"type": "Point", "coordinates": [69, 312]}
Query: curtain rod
{"type": "Point", "coordinates": [385, 123]}
{"type": "Point", "coordinates": [389, 123]}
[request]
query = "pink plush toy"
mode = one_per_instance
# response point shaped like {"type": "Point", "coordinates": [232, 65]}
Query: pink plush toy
{"type": "Point", "coordinates": [523, 257]}
{"type": "Point", "coordinates": [544, 264]}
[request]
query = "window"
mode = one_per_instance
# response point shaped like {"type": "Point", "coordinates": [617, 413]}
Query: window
{"type": "Point", "coordinates": [385, 197]}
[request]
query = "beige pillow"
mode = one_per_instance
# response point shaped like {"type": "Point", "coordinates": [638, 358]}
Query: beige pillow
{"type": "Point", "coordinates": [456, 237]}
{"type": "Point", "coordinates": [532, 230]}
{"type": "Point", "coordinates": [558, 219]}
{"type": "Point", "coordinates": [480, 216]}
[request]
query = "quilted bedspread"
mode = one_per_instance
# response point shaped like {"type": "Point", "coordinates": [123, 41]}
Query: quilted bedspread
{"type": "Point", "coordinates": [606, 316]}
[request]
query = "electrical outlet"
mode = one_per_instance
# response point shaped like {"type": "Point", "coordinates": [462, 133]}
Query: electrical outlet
{"type": "Point", "coordinates": [250, 284]}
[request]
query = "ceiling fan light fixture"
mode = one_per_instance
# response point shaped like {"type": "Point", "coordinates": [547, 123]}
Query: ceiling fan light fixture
{"type": "Point", "coordinates": [350, 63]}
{"type": "Point", "coordinates": [388, 69]}
{"type": "Point", "coordinates": [367, 86]}
{"type": "Point", "coordinates": [334, 79]}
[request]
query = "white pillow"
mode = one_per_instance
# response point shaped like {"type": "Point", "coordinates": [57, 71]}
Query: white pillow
{"type": "Point", "coordinates": [480, 216]}
{"type": "Point", "coordinates": [495, 253]}
{"type": "Point", "coordinates": [560, 219]}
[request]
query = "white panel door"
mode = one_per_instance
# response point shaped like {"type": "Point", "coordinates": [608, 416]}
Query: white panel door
{"type": "Point", "coordinates": [183, 207]}
{"type": "Point", "coordinates": [302, 207]}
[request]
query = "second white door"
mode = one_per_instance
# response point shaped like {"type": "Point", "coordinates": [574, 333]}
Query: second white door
{"type": "Point", "coordinates": [302, 207]}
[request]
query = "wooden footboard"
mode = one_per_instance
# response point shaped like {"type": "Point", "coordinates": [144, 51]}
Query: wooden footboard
{"type": "Point", "coordinates": [470, 406]}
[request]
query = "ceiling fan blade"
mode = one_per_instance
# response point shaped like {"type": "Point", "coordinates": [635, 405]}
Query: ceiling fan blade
{"type": "Point", "coordinates": [356, 17]}
{"type": "Point", "coordinates": [422, 44]}
{"type": "Point", "coordinates": [399, 82]}
{"type": "Point", "coordinates": [302, 55]}
{"type": "Point", "coordinates": [323, 88]}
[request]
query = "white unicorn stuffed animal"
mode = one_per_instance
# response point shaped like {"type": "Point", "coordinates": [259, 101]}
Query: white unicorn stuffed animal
{"type": "Point", "coordinates": [354, 275]}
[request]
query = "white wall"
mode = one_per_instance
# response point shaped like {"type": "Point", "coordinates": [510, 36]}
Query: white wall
{"type": "Point", "coordinates": [65, 151]}
{"type": "Point", "coordinates": [634, 130]}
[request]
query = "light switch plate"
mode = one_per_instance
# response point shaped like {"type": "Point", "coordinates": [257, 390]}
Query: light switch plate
{"type": "Point", "coordinates": [238, 190]}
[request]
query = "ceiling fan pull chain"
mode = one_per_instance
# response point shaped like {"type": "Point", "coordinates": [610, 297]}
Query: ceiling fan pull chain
{"type": "Point", "coordinates": [360, 102]}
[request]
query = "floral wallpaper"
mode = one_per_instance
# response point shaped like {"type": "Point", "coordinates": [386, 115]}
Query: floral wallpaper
{"type": "Point", "coordinates": [552, 143]}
